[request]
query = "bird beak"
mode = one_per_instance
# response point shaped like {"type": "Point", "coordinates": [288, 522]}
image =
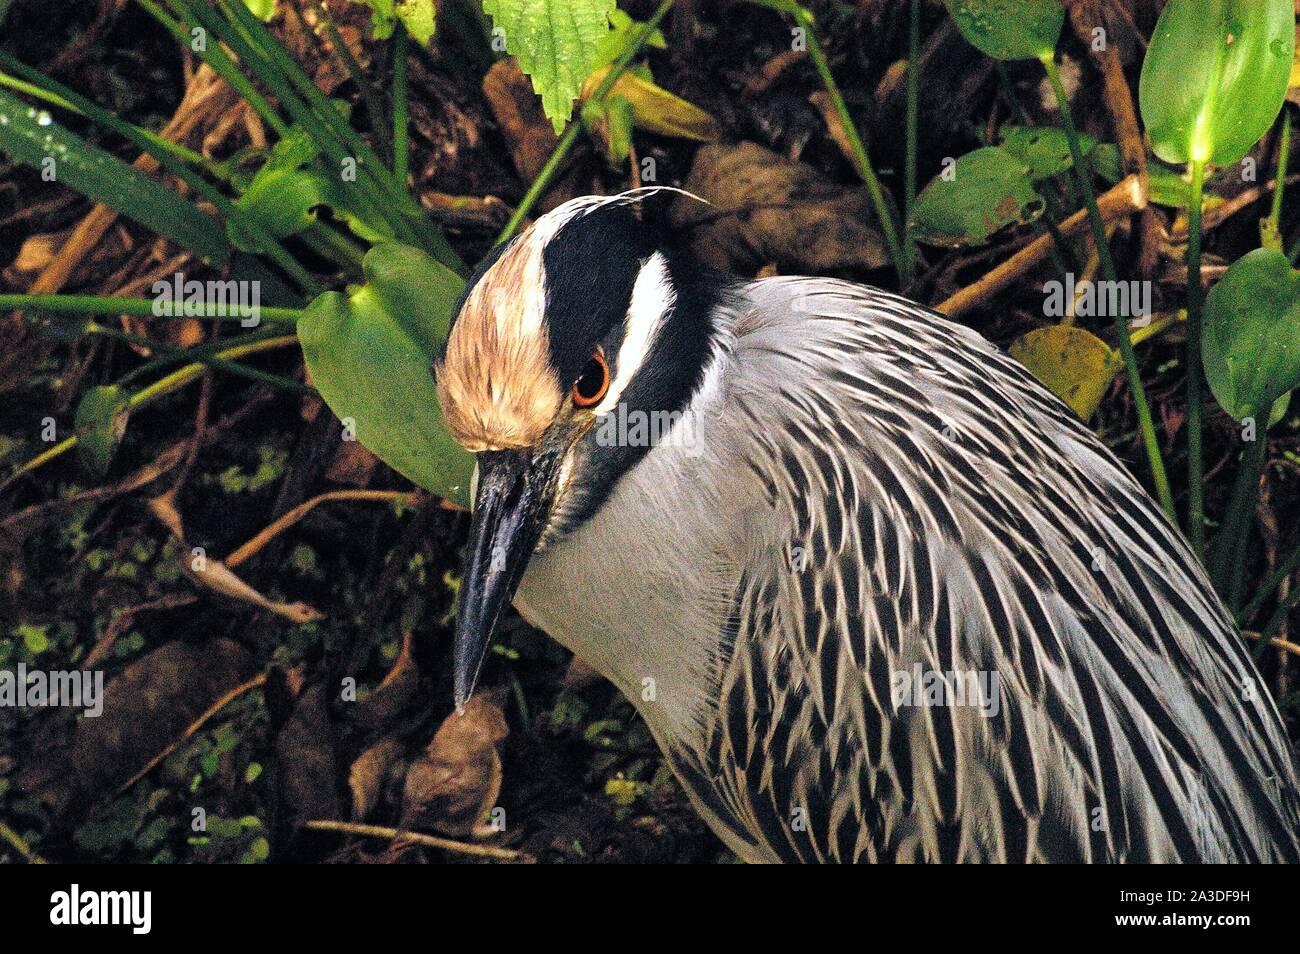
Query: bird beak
{"type": "Point", "coordinates": [511, 506]}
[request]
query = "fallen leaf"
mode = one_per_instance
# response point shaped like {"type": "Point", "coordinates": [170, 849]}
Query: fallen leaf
{"type": "Point", "coordinates": [766, 208]}
{"type": "Point", "coordinates": [455, 783]}
{"type": "Point", "coordinates": [370, 774]}
{"type": "Point", "coordinates": [1073, 363]}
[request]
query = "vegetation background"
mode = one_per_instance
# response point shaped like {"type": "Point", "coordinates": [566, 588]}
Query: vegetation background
{"type": "Point", "coordinates": [255, 532]}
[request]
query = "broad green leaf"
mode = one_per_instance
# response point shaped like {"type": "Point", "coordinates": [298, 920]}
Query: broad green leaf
{"type": "Point", "coordinates": [1214, 77]}
{"type": "Point", "coordinates": [32, 137]}
{"type": "Point", "coordinates": [1072, 363]}
{"type": "Point", "coordinates": [988, 189]}
{"type": "Point", "coordinates": [370, 354]}
{"type": "Point", "coordinates": [285, 194]}
{"type": "Point", "coordinates": [1251, 350]}
{"type": "Point", "coordinates": [557, 42]}
{"type": "Point", "coordinates": [285, 202]}
{"type": "Point", "coordinates": [1009, 29]}
{"type": "Point", "coordinates": [1045, 150]}
{"type": "Point", "coordinates": [100, 422]}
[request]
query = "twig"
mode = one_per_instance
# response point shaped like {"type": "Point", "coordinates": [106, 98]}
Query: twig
{"type": "Point", "coordinates": [446, 844]}
{"type": "Point", "coordinates": [1275, 641]}
{"type": "Point", "coordinates": [1119, 101]}
{"type": "Point", "coordinates": [1124, 199]}
{"type": "Point", "coordinates": [297, 513]}
{"type": "Point", "coordinates": [193, 727]}
{"type": "Point", "coordinates": [11, 836]}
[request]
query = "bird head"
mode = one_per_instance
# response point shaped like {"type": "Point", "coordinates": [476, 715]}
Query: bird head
{"type": "Point", "coordinates": [577, 317]}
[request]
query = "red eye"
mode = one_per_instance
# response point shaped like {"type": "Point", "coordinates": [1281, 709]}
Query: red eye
{"type": "Point", "coordinates": [592, 383]}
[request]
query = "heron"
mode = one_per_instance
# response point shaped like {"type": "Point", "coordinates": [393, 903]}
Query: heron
{"type": "Point", "coordinates": [878, 595]}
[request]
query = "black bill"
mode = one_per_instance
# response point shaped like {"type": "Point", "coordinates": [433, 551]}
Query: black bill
{"type": "Point", "coordinates": [511, 506]}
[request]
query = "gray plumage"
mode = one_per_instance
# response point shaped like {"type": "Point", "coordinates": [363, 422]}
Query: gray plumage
{"type": "Point", "coordinates": [869, 488]}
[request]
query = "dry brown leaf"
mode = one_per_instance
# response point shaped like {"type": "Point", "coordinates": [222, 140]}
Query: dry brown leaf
{"type": "Point", "coordinates": [456, 782]}
{"type": "Point", "coordinates": [352, 464]}
{"type": "Point", "coordinates": [218, 577]}
{"type": "Point", "coordinates": [369, 775]}
{"type": "Point", "coordinates": [768, 209]}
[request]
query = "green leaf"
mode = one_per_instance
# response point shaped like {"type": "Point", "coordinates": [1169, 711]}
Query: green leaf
{"type": "Point", "coordinates": [557, 42]}
{"type": "Point", "coordinates": [371, 354]}
{"type": "Point", "coordinates": [100, 422]}
{"type": "Point", "coordinates": [988, 189]}
{"type": "Point", "coordinates": [1074, 364]}
{"type": "Point", "coordinates": [256, 853]}
{"type": "Point", "coordinates": [1251, 350]}
{"type": "Point", "coordinates": [648, 106]}
{"type": "Point", "coordinates": [264, 10]}
{"type": "Point", "coordinates": [286, 192]}
{"type": "Point", "coordinates": [285, 202]}
{"type": "Point", "coordinates": [1170, 188]}
{"type": "Point", "coordinates": [35, 638]}
{"type": "Point", "coordinates": [419, 17]}
{"type": "Point", "coordinates": [1214, 77]}
{"type": "Point", "coordinates": [1045, 150]}
{"type": "Point", "coordinates": [32, 137]}
{"type": "Point", "coordinates": [1009, 29]}
{"type": "Point", "coordinates": [623, 34]}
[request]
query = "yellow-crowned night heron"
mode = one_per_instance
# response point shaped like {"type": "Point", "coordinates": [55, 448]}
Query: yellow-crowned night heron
{"type": "Point", "coordinates": [877, 594]}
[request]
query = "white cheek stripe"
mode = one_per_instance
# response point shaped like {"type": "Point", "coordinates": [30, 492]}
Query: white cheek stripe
{"type": "Point", "coordinates": [652, 298]}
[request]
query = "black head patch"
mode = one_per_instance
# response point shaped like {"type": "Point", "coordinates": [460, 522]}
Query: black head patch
{"type": "Point", "coordinates": [591, 265]}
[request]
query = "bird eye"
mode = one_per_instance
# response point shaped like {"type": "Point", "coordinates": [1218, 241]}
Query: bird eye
{"type": "Point", "coordinates": [592, 383]}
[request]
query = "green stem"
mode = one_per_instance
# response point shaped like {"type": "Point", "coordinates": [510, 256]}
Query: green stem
{"type": "Point", "coordinates": [1228, 561]}
{"type": "Point", "coordinates": [212, 361]}
{"type": "Point", "coordinates": [1146, 425]}
{"type": "Point", "coordinates": [862, 159]}
{"type": "Point", "coordinates": [401, 108]}
{"type": "Point", "coordinates": [45, 96]}
{"type": "Point", "coordinates": [183, 376]}
{"type": "Point", "coordinates": [912, 135]}
{"type": "Point", "coordinates": [406, 212]}
{"type": "Point", "coordinates": [1287, 567]}
{"type": "Point", "coordinates": [570, 137]}
{"type": "Point", "coordinates": [331, 243]}
{"type": "Point", "coordinates": [317, 122]}
{"type": "Point", "coordinates": [1195, 458]}
{"type": "Point", "coordinates": [1284, 152]}
{"type": "Point", "coordinates": [194, 353]}
{"type": "Point", "coordinates": [161, 388]}
{"type": "Point", "coordinates": [136, 307]}
{"type": "Point", "coordinates": [222, 65]}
